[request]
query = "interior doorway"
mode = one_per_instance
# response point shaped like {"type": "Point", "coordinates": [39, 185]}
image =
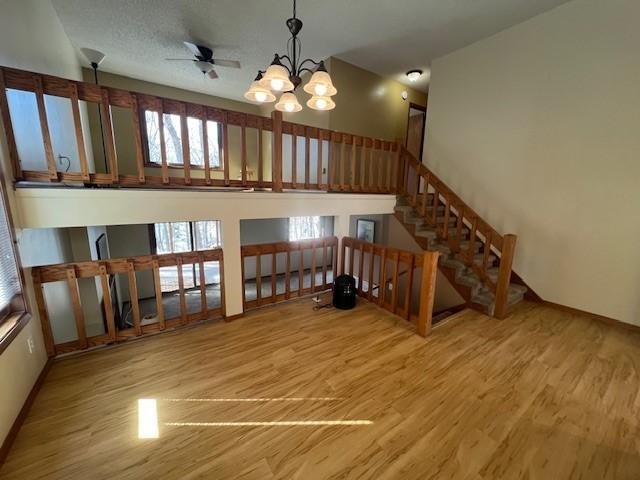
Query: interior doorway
{"type": "Point", "coordinates": [415, 129]}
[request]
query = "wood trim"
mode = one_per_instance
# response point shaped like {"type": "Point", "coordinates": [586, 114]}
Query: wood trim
{"type": "Point", "coordinates": [184, 140]}
{"type": "Point", "coordinates": [594, 316]}
{"type": "Point", "coordinates": [19, 324]}
{"type": "Point", "coordinates": [137, 137]}
{"type": "Point", "coordinates": [225, 148]}
{"type": "Point", "coordinates": [231, 318]}
{"type": "Point", "coordinates": [8, 129]}
{"type": "Point", "coordinates": [77, 124]}
{"type": "Point", "coordinates": [44, 129]}
{"type": "Point", "coordinates": [109, 140]}
{"type": "Point", "coordinates": [24, 411]}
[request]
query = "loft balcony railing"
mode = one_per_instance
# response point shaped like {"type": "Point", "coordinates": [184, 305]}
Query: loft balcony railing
{"type": "Point", "coordinates": [154, 142]}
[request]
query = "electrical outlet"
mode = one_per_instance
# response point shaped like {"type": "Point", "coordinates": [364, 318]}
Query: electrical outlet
{"type": "Point", "coordinates": [30, 344]}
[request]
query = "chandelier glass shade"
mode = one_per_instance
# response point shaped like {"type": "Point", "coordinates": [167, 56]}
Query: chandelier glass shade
{"type": "Point", "coordinates": [284, 75]}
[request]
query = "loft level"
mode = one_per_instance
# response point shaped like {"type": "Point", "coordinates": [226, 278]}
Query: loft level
{"type": "Point", "coordinates": [62, 131]}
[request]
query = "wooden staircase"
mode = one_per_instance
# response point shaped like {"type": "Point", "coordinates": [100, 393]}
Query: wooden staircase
{"type": "Point", "coordinates": [475, 258]}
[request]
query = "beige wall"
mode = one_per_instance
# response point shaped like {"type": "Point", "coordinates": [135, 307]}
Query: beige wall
{"type": "Point", "coordinates": [538, 129]}
{"type": "Point", "coordinates": [31, 38]}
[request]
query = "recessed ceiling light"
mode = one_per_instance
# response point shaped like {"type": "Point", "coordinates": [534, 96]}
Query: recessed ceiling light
{"type": "Point", "coordinates": [414, 75]}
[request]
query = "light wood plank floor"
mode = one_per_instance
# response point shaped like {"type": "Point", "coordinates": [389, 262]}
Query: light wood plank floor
{"type": "Point", "coordinates": [541, 395]}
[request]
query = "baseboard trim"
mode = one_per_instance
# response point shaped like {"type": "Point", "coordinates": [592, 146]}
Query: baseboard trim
{"type": "Point", "coordinates": [594, 316]}
{"type": "Point", "coordinates": [231, 318]}
{"type": "Point", "coordinates": [24, 411]}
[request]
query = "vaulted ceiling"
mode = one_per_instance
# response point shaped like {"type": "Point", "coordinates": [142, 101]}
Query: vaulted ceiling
{"type": "Point", "coordinates": [382, 36]}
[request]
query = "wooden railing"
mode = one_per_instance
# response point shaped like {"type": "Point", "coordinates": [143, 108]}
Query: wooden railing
{"type": "Point", "coordinates": [398, 281]}
{"type": "Point", "coordinates": [461, 227]}
{"type": "Point", "coordinates": [171, 143]}
{"type": "Point", "coordinates": [69, 277]}
{"type": "Point", "coordinates": [292, 269]}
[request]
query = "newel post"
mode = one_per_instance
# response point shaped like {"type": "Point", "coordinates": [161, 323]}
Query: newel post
{"type": "Point", "coordinates": [427, 291]}
{"type": "Point", "coordinates": [276, 156]}
{"type": "Point", "coordinates": [504, 276]}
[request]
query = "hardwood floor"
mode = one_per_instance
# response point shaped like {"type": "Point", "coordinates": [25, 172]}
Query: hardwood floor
{"type": "Point", "coordinates": [542, 395]}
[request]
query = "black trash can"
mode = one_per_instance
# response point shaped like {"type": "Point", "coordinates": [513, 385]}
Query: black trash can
{"type": "Point", "coordinates": [344, 292]}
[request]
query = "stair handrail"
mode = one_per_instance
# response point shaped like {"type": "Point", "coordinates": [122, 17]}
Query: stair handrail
{"type": "Point", "coordinates": [479, 230]}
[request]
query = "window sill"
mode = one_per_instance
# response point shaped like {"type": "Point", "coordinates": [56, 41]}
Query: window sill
{"type": "Point", "coordinates": [11, 327]}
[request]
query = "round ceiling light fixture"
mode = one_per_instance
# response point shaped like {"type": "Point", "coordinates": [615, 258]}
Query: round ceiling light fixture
{"type": "Point", "coordinates": [414, 75]}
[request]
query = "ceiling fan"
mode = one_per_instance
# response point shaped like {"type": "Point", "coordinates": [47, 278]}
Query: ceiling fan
{"type": "Point", "coordinates": [204, 60]}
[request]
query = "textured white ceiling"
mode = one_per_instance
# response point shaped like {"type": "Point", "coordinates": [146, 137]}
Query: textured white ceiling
{"type": "Point", "coordinates": [383, 36]}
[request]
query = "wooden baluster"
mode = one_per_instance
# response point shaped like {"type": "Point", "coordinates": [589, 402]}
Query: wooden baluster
{"type": "Point", "coordinates": [243, 158]}
{"type": "Point", "coordinates": [108, 306]}
{"type": "Point", "coordinates": [158, 288]}
{"type": "Point", "coordinates": [343, 255]}
{"type": "Point", "coordinates": [371, 268]}
{"type": "Point", "coordinates": [352, 256]}
{"type": "Point", "coordinates": [397, 174]}
{"type": "Point", "coordinates": [205, 149]}
{"type": "Point", "coordinates": [287, 274]}
{"type": "Point", "coordinates": [324, 263]}
{"type": "Point", "coordinates": [109, 141]}
{"type": "Point", "coordinates": [382, 284]}
{"type": "Point", "coordinates": [294, 157]}
{"type": "Point", "coordinates": [258, 279]}
{"type": "Point", "coordinates": [181, 292]}
{"type": "Point", "coordinates": [331, 163]}
{"type": "Point", "coordinates": [459, 225]}
{"type": "Point", "coordinates": [380, 167]}
{"type": "Point", "coordinates": [133, 297]}
{"type": "Point", "coordinates": [274, 284]}
{"type": "Point", "coordinates": [44, 129]}
{"type": "Point", "coordinates": [223, 304]}
{"type": "Point", "coordinates": [343, 163]}
{"type": "Point", "coordinates": [360, 268]}
{"type": "Point", "coordinates": [363, 161]}
{"type": "Point", "coordinates": [394, 285]}
{"type": "Point", "coordinates": [334, 258]}
{"type": "Point", "coordinates": [243, 274]}
{"type": "Point", "coordinates": [405, 186]}
{"type": "Point", "coordinates": [447, 216]}
{"type": "Point", "coordinates": [78, 315]}
{"type": "Point", "coordinates": [414, 200]}
{"type": "Point", "coordinates": [301, 271]}
{"type": "Point", "coordinates": [427, 291]}
{"type": "Point", "coordinates": [352, 173]}
{"type": "Point", "coordinates": [486, 252]}
{"type": "Point", "coordinates": [472, 240]}
{"type": "Point", "coordinates": [137, 136]}
{"type": "Point", "coordinates": [504, 276]}
{"type": "Point", "coordinates": [409, 290]}
{"type": "Point", "coordinates": [276, 157]}
{"type": "Point", "coordinates": [319, 160]}
{"type": "Point", "coordinates": [45, 323]}
{"type": "Point", "coordinates": [260, 153]}
{"type": "Point", "coordinates": [163, 145]}
{"type": "Point", "coordinates": [203, 286]}
{"type": "Point", "coordinates": [77, 124]}
{"type": "Point", "coordinates": [376, 145]}
{"type": "Point", "coordinates": [313, 266]}
{"type": "Point", "coordinates": [425, 194]}
{"type": "Point", "coordinates": [307, 158]}
{"type": "Point", "coordinates": [389, 169]}
{"type": "Point", "coordinates": [225, 148]}
{"type": "Point", "coordinates": [184, 139]}
{"type": "Point", "coordinates": [8, 129]}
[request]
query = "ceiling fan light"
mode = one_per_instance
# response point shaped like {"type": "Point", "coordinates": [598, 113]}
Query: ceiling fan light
{"type": "Point", "coordinates": [259, 94]}
{"type": "Point", "coordinates": [320, 85]}
{"type": "Point", "coordinates": [288, 103]}
{"type": "Point", "coordinates": [94, 56]}
{"type": "Point", "coordinates": [321, 103]}
{"type": "Point", "coordinates": [414, 75]}
{"type": "Point", "coordinates": [276, 78]}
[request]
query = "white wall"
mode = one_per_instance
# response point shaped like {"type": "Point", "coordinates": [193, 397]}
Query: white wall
{"type": "Point", "coordinates": [538, 129]}
{"type": "Point", "coordinates": [31, 38]}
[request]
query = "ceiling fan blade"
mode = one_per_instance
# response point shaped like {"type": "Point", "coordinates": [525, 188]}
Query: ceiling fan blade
{"type": "Point", "coordinates": [180, 59]}
{"type": "Point", "coordinates": [226, 63]}
{"type": "Point", "coordinates": [193, 48]}
{"type": "Point", "coordinates": [212, 74]}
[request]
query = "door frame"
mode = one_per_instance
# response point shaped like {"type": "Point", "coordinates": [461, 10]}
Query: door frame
{"type": "Point", "coordinates": [422, 108]}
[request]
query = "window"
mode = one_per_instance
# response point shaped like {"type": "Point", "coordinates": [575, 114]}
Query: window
{"type": "Point", "coordinates": [176, 237]}
{"type": "Point", "coordinates": [303, 228]}
{"type": "Point", "coordinates": [10, 282]}
{"type": "Point", "coordinates": [172, 133]}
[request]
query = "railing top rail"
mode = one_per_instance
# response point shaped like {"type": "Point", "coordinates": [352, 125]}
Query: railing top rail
{"type": "Point", "coordinates": [391, 252]}
{"type": "Point", "coordinates": [58, 272]}
{"type": "Point", "coordinates": [282, 246]}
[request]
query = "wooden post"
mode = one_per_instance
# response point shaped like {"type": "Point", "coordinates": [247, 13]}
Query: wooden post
{"type": "Point", "coordinates": [243, 158]}
{"type": "Point", "coordinates": [8, 129]}
{"type": "Point", "coordinates": [276, 156]}
{"type": "Point", "coordinates": [260, 154]}
{"type": "Point", "coordinates": [78, 315]}
{"type": "Point", "coordinates": [225, 148]}
{"type": "Point", "coordinates": [133, 296]}
{"type": "Point", "coordinates": [109, 142]}
{"type": "Point", "coordinates": [108, 307]}
{"type": "Point", "coordinates": [45, 324]}
{"type": "Point", "coordinates": [427, 291]}
{"type": "Point", "coordinates": [163, 145]}
{"type": "Point", "coordinates": [44, 129]}
{"type": "Point", "coordinates": [184, 139]}
{"type": "Point", "coordinates": [158, 288]}
{"type": "Point", "coordinates": [137, 136]}
{"type": "Point", "coordinates": [77, 123]}
{"type": "Point", "coordinates": [504, 276]}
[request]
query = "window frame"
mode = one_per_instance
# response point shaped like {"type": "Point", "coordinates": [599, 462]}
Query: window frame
{"type": "Point", "coordinates": [192, 236]}
{"type": "Point", "coordinates": [16, 313]}
{"type": "Point", "coordinates": [176, 166]}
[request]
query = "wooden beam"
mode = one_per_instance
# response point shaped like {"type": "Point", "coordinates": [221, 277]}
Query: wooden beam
{"type": "Point", "coordinates": [205, 148]}
{"type": "Point", "coordinates": [106, 300]}
{"type": "Point", "coordinates": [77, 125]}
{"type": "Point", "coordinates": [158, 287]}
{"type": "Point", "coordinates": [163, 146]}
{"type": "Point", "coordinates": [243, 158]}
{"type": "Point", "coordinates": [225, 148]}
{"type": "Point", "coordinates": [78, 315]}
{"type": "Point", "coordinates": [184, 139]}
{"type": "Point", "coordinates": [109, 142]}
{"type": "Point", "coordinates": [45, 323]}
{"type": "Point", "coordinates": [133, 297]}
{"type": "Point", "coordinates": [137, 136]}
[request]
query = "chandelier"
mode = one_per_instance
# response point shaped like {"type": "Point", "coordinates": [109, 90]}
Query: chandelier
{"type": "Point", "coordinates": [283, 76]}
